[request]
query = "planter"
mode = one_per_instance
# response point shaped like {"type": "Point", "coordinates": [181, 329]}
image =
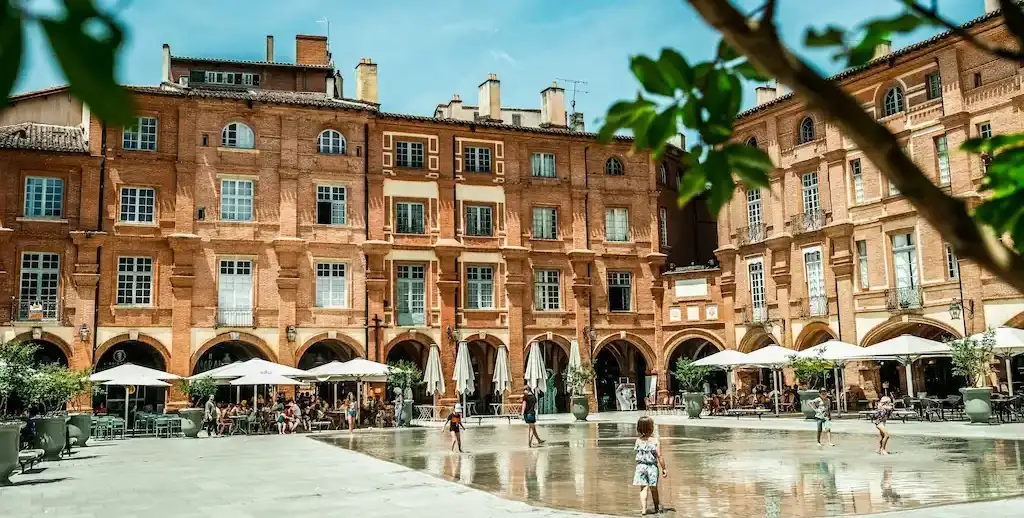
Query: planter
{"type": "Point", "coordinates": [694, 404]}
{"type": "Point", "coordinates": [978, 404]}
{"type": "Point", "coordinates": [80, 428]}
{"type": "Point", "coordinates": [10, 437]}
{"type": "Point", "coordinates": [806, 396]}
{"type": "Point", "coordinates": [580, 407]}
{"type": "Point", "coordinates": [191, 421]}
{"type": "Point", "coordinates": [51, 436]}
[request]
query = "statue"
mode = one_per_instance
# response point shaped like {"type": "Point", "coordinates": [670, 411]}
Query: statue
{"type": "Point", "coordinates": [547, 401]}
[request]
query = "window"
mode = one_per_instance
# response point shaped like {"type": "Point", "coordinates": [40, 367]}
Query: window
{"type": "Point", "coordinates": [616, 224]}
{"type": "Point", "coordinates": [942, 153]}
{"type": "Point", "coordinates": [758, 305]}
{"type": "Point", "coordinates": [40, 277]}
{"type": "Point", "coordinates": [236, 200]}
{"type": "Point", "coordinates": [862, 264]}
{"type": "Point", "coordinates": [331, 205]}
{"type": "Point", "coordinates": [517, 120]}
{"type": "Point", "coordinates": [816, 298]}
{"type": "Point", "coordinates": [479, 287]}
{"type": "Point", "coordinates": [331, 142]}
{"type": "Point", "coordinates": [809, 182]}
{"type": "Point", "coordinates": [409, 218]}
{"type": "Point", "coordinates": [858, 180]}
{"type": "Point", "coordinates": [141, 135]}
{"type": "Point", "coordinates": [952, 263]}
{"type": "Point", "coordinates": [411, 296]}
{"type": "Point", "coordinates": [893, 190]}
{"type": "Point", "coordinates": [754, 208]}
{"type": "Point", "coordinates": [137, 204]}
{"type": "Point", "coordinates": [478, 159]}
{"type": "Point", "coordinates": [478, 220]}
{"type": "Point", "coordinates": [893, 102]}
{"type": "Point", "coordinates": [752, 141]}
{"type": "Point", "coordinates": [225, 78]}
{"type": "Point", "coordinates": [934, 83]}
{"type": "Point", "coordinates": [663, 227]}
{"type": "Point", "coordinates": [234, 293]}
{"type": "Point", "coordinates": [662, 174]}
{"type": "Point", "coordinates": [410, 154]}
{"type": "Point", "coordinates": [331, 288]}
{"type": "Point", "coordinates": [545, 223]}
{"type": "Point", "coordinates": [904, 260]}
{"type": "Point", "coordinates": [620, 291]}
{"type": "Point", "coordinates": [985, 130]}
{"type": "Point", "coordinates": [613, 167]}
{"type": "Point", "coordinates": [546, 291]}
{"type": "Point", "coordinates": [977, 79]}
{"type": "Point", "coordinates": [806, 130]}
{"type": "Point", "coordinates": [237, 135]}
{"type": "Point", "coordinates": [134, 281]}
{"type": "Point", "coordinates": [543, 164]}
{"type": "Point", "coordinates": [44, 197]}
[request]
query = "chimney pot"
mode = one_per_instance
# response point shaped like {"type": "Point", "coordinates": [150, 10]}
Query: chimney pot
{"type": "Point", "coordinates": [552, 106]}
{"type": "Point", "coordinates": [270, 48]}
{"type": "Point", "coordinates": [366, 80]}
{"type": "Point", "coordinates": [165, 69]}
{"type": "Point", "coordinates": [490, 98]}
{"type": "Point", "coordinates": [329, 87]}
{"type": "Point", "coordinates": [884, 48]}
{"type": "Point", "coordinates": [991, 6]}
{"type": "Point", "coordinates": [764, 94]}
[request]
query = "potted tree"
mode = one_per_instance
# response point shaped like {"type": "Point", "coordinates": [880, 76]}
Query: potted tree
{"type": "Point", "coordinates": [16, 360]}
{"type": "Point", "coordinates": [50, 389]}
{"type": "Point", "coordinates": [404, 375]}
{"type": "Point", "coordinates": [691, 380]}
{"type": "Point", "coordinates": [577, 379]}
{"type": "Point", "coordinates": [971, 358]}
{"type": "Point", "coordinates": [810, 374]}
{"type": "Point", "coordinates": [197, 391]}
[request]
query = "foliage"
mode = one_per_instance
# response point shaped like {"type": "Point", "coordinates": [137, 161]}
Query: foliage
{"type": "Point", "coordinates": [971, 357]}
{"type": "Point", "coordinates": [578, 378]}
{"type": "Point", "coordinates": [198, 390]}
{"type": "Point", "coordinates": [52, 386]}
{"type": "Point", "coordinates": [691, 377]}
{"type": "Point", "coordinates": [85, 41]}
{"type": "Point", "coordinates": [17, 360]}
{"type": "Point", "coordinates": [810, 372]}
{"type": "Point", "coordinates": [404, 374]}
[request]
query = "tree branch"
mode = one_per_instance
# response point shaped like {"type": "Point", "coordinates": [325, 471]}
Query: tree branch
{"type": "Point", "coordinates": [932, 14]}
{"type": "Point", "coordinates": [947, 214]}
{"type": "Point", "coordinates": [1014, 19]}
{"type": "Point", "coordinates": [768, 20]}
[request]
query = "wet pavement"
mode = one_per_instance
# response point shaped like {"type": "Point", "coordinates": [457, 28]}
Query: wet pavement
{"type": "Point", "coordinates": [712, 472]}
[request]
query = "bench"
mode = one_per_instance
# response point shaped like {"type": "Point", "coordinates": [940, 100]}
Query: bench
{"type": "Point", "coordinates": [480, 417]}
{"type": "Point", "coordinates": [29, 458]}
{"type": "Point", "coordinates": [319, 425]}
{"type": "Point", "coordinates": [740, 412]}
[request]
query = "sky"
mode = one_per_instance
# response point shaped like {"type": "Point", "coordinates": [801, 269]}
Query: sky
{"type": "Point", "coordinates": [429, 50]}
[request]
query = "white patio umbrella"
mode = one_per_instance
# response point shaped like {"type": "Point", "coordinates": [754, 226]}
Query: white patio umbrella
{"type": "Point", "coordinates": [906, 349]}
{"type": "Point", "coordinates": [328, 372]}
{"type": "Point", "coordinates": [536, 374]}
{"type": "Point", "coordinates": [1009, 343]}
{"type": "Point", "coordinates": [254, 366]}
{"type": "Point", "coordinates": [728, 360]}
{"type": "Point", "coordinates": [264, 378]}
{"type": "Point", "coordinates": [463, 375]}
{"type": "Point", "coordinates": [835, 351]}
{"type": "Point", "coordinates": [212, 373]}
{"type": "Point", "coordinates": [502, 376]}
{"type": "Point", "coordinates": [128, 370]}
{"type": "Point", "coordinates": [432, 376]}
{"type": "Point", "coordinates": [772, 357]}
{"type": "Point", "coordinates": [361, 369]}
{"type": "Point", "coordinates": [133, 380]}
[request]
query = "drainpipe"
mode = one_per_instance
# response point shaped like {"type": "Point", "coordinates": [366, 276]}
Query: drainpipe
{"type": "Point", "coordinates": [366, 231]}
{"type": "Point", "coordinates": [99, 228]}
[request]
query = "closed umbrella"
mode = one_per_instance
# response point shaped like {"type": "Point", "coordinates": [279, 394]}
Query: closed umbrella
{"type": "Point", "coordinates": [502, 376]}
{"type": "Point", "coordinates": [536, 374]}
{"type": "Point", "coordinates": [574, 353]}
{"type": "Point", "coordinates": [433, 377]}
{"type": "Point", "coordinates": [463, 375]}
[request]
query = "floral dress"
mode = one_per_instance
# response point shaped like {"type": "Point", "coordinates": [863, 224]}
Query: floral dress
{"type": "Point", "coordinates": [646, 473]}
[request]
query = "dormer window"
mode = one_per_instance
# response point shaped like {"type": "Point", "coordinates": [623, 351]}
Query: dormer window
{"type": "Point", "coordinates": [331, 142]}
{"type": "Point", "coordinates": [238, 135]}
{"type": "Point", "coordinates": [893, 102]}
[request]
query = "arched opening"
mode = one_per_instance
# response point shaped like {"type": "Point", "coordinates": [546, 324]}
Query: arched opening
{"type": "Point", "coordinates": [695, 349]}
{"type": "Point", "coordinates": [48, 352]}
{"type": "Point", "coordinates": [226, 353]}
{"type": "Point", "coordinates": [932, 376]}
{"type": "Point", "coordinates": [813, 334]}
{"type": "Point", "coordinates": [554, 398]}
{"type": "Point", "coordinates": [416, 353]}
{"type": "Point", "coordinates": [321, 353]}
{"type": "Point", "coordinates": [146, 399]}
{"type": "Point", "coordinates": [621, 369]}
{"type": "Point", "coordinates": [751, 380]}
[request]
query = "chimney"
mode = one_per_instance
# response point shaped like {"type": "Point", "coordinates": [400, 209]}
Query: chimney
{"type": "Point", "coordinates": [270, 48]}
{"type": "Point", "coordinates": [329, 87]}
{"type": "Point", "coordinates": [884, 48]}
{"type": "Point", "coordinates": [366, 80]}
{"type": "Point", "coordinates": [764, 94]}
{"type": "Point", "coordinates": [552, 106]}
{"type": "Point", "coordinates": [165, 70]}
{"type": "Point", "coordinates": [311, 50]}
{"type": "Point", "coordinates": [991, 6]}
{"type": "Point", "coordinates": [490, 99]}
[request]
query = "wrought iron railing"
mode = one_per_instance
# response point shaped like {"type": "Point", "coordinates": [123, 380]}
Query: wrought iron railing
{"type": "Point", "coordinates": [234, 317]}
{"type": "Point", "coordinates": [816, 306]}
{"type": "Point", "coordinates": [809, 221]}
{"type": "Point", "coordinates": [900, 299]}
{"type": "Point", "coordinates": [751, 234]}
{"type": "Point", "coordinates": [755, 315]}
{"type": "Point", "coordinates": [37, 308]}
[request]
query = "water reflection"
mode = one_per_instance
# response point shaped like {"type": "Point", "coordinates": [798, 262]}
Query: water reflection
{"type": "Point", "coordinates": [712, 472]}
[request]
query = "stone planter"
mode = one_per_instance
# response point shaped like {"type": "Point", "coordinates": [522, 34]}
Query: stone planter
{"type": "Point", "coordinates": [80, 428]}
{"type": "Point", "coordinates": [10, 437]}
{"type": "Point", "coordinates": [806, 396]}
{"type": "Point", "coordinates": [51, 436]}
{"type": "Point", "coordinates": [694, 402]}
{"type": "Point", "coordinates": [977, 404]}
{"type": "Point", "coordinates": [580, 407]}
{"type": "Point", "coordinates": [191, 421]}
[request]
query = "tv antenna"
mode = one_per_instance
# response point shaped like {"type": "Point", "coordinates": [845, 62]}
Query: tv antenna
{"type": "Point", "coordinates": [575, 90]}
{"type": "Point", "coordinates": [327, 23]}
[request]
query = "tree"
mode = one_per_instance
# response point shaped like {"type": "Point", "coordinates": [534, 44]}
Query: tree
{"type": "Point", "coordinates": [706, 97]}
{"type": "Point", "coordinates": [197, 390]}
{"type": "Point", "coordinates": [691, 377]}
{"type": "Point", "coordinates": [404, 374]}
{"type": "Point", "coordinates": [810, 371]}
{"type": "Point", "coordinates": [578, 378]}
{"type": "Point", "coordinates": [17, 362]}
{"type": "Point", "coordinates": [971, 357]}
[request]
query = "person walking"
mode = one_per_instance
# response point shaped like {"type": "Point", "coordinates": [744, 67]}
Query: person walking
{"type": "Point", "coordinates": [823, 415]}
{"type": "Point", "coordinates": [530, 416]}
{"type": "Point", "coordinates": [880, 418]}
{"type": "Point", "coordinates": [210, 412]}
{"type": "Point", "coordinates": [454, 424]}
{"type": "Point", "coordinates": [350, 412]}
{"type": "Point", "coordinates": [399, 409]}
{"type": "Point", "coordinates": [648, 462]}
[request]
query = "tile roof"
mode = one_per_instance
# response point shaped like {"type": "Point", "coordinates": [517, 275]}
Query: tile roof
{"type": "Point", "coordinates": [38, 93]}
{"type": "Point", "coordinates": [43, 137]}
{"type": "Point", "coordinates": [251, 62]}
{"type": "Point", "coordinates": [313, 99]}
{"type": "Point", "coordinates": [850, 72]}
{"type": "Point", "coordinates": [499, 125]}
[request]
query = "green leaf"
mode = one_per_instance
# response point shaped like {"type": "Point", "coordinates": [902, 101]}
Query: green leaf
{"type": "Point", "coordinates": [749, 163]}
{"type": "Point", "coordinates": [722, 185]}
{"type": "Point", "coordinates": [700, 74]}
{"type": "Point", "coordinates": [89, 60]}
{"type": "Point", "coordinates": [725, 52]}
{"type": "Point", "coordinates": [831, 36]}
{"type": "Point", "coordinates": [11, 41]}
{"type": "Point", "coordinates": [623, 114]}
{"type": "Point", "coordinates": [663, 126]}
{"type": "Point", "coordinates": [693, 183]}
{"type": "Point", "coordinates": [906, 22]}
{"type": "Point", "coordinates": [991, 145]}
{"type": "Point", "coordinates": [650, 76]}
{"type": "Point", "coordinates": [691, 112]}
{"type": "Point", "coordinates": [749, 71]}
{"type": "Point", "coordinates": [676, 70]}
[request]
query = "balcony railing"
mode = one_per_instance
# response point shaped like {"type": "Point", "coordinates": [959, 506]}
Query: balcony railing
{"type": "Point", "coordinates": [234, 317]}
{"type": "Point", "coordinates": [816, 306]}
{"type": "Point", "coordinates": [901, 299]}
{"type": "Point", "coordinates": [751, 234]}
{"type": "Point", "coordinates": [33, 309]}
{"type": "Point", "coordinates": [809, 221]}
{"type": "Point", "coordinates": [755, 315]}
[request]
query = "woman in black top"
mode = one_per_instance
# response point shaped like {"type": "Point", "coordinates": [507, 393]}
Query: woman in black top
{"type": "Point", "coordinates": [530, 416]}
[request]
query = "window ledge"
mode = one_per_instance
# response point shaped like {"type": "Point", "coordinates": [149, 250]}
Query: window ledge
{"type": "Point", "coordinates": [331, 308]}
{"type": "Point", "coordinates": [242, 223]}
{"type": "Point", "coordinates": [30, 219]}
{"type": "Point", "coordinates": [134, 307]}
{"type": "Point", "coordinates": [481, 310]}
{"type": "Point", "coordinates": [129, 150]}
{"type": "Point", "coordinates": [550, 312]}
{"type": "Point", "coordinates": [331, 225]}
{"type": "Point", "coordinates": [409, 233]}
{"type": "Point", "coordinates": [152, 224]}
{"type": "Point", "coordinates": [239, 150]}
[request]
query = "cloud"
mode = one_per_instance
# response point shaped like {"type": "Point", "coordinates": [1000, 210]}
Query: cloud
{"type": "Point", "coordinates": [501, 55]}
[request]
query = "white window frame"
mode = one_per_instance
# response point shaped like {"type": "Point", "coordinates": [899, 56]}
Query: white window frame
{"type": "Point", "coordinates": [409, 154]}
{"type": "Point", "coordinates": [479, 221]}
{"type": "Point", "coordinates": [331, 284]}
{"type": "Point", "coordinates": [809, 191]}
{"type": "Point", "coordinates": [233, 205]}
{"type": "Point", "coordinates": [755, 278]}
{"type": "Point", "coordinates": [39, 284]}
{"type": "Point", "coordinates": [616, 224]}
{"type": "Point", "coordinates": [235, 305]}
{"type": "Point", "coordinates": [893, 101]}
{"type": "Point", "coordinates": [238, 135]}
{"type": "Point", "coordinates": [138, 205]}
{"type": "Point", "coordinates": [942, 154]}
{"type": "Point", "coordinates": [545, 223]}
{"type": "Point", "coordinates": [406, 223]}
{"type": "Point", "coordinates": [622, 281]}
{"type": "Point", "coordinates": [542, 165]}
{"type": "Point", "coordinates": [985, 130]}
{"type": "Point", "coordinates": [140, 136]}
{"type": "Point", "coordinates": [933, 85]}
{"type": "Point", "coordinates": [331, 142]}
{"type": "Point", "coordinates": [663, 227]}
{"type": "Point", "coordinates": [47, 201]}
{"type": "Point", "coordinates": [337, 197]}
{"type": "Point", "coordinates": [862, 264]}
{"type": "Point", "coordinates": [415, 304]}
{"type": "Point", "coordinates": [754, 212]}
{"type": "Point", "coordinates": [908, 247]}
{"type": "Point", "coordinates": [952, 263]}
{"type": "Point", "coordinates": [857, 173]}
{"type": "Point", "coordinates": [229, 78]}
{"type": "Point", "coordinates": [814, 274]}
{"type": "Point", "coordinates": [547, 292]}
{"type": "Point", "coordinates": [134, 281]}
{"type": "Point", "coordinates": [479, 287]}
{"type": "Point", "coordinates": [478, 159]}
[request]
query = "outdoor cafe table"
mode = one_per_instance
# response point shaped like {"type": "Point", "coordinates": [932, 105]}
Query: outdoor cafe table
{"type": "Point", "coordinates": [337, 418]}
{"type": "Point", "coordinates": [238, 425]}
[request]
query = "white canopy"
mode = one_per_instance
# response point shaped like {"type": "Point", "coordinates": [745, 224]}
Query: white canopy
{"type": "Point", "coordinates": [326, 372]}
{"type": "Point", "coordinates": [253, 366]}
{"type": "Point", "coordinates": [132, 370]}
{"type": "Point", "coordinates": [1009, 341]}
{"type": "Point", "coordinates": [769, 356]}
{"type": "Point", "coordinates": [728, 358]}
{"type": "Point", "coordinates": [574, 353]}
{"type": "Point", "coordinates": [905, 348]}
{"type": "Point", "coordinates": [212, 373]}
{"type": "Point", "coordinates": [463, 375]}
{"type": "Point", "coordinates": [361, 369]}
{"type": "Point", "coordinates": [536, 374]}
{"type": "Point", "coordinates": [432, 376]}
{"type": "Point", "coordinates": [136, 381]}
{"type": "Point", "coordinates": [502, 376]}
{"type": "Point", "coordinates": [833, 350]}
{"type": "Point", "coordinates": [264, 378]}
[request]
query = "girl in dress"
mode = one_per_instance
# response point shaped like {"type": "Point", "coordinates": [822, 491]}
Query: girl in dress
{"type": "Point", "coordinates": [879, 418]}
{"type": "Point", "coordinates": [648, 462]}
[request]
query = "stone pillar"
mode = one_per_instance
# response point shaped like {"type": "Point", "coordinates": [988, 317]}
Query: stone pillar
{"type": "Point", "coordinates": [841, 261]}
{"type": "Point", "coordinates": [377, 283]}
{"type": "Point", "coordinates": [86, 277]}
{"type": "Point", "coordinates": [289, 251]}
{"type": "Point", "coordinates": [447, 251]}
{"type": "Point", "coordinates": [727, 313]}
{"type": "Point", "coordinates": [583, 268]}
{"type": "Point", "coordinates": [516, 280]}
{"type": "Point", "coordinates": [184, 248]}
{"type": "Point", "coordinates": [655, 261]}
{"type": "Point", "coordinates": [780, 272]}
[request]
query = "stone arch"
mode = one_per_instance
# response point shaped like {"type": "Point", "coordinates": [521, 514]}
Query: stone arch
{"type": "Point", "coordinates": [755, 339]}
{"type": "Point", "coordinates": [562, 341]}
{"type": "Point", "coordinates": [254, 342]}
{"type": "Point", "coordinates": [908, 324]}
{"type": "Point", "coordinates": [881, 90]}
{"type": "Point", "coordinates": [414, 336]}
{"type": "Point", "coordinates": [64, 347]}
{"type": "Point", "coordinates": [688, 334]}
{"type": "Point", "coordinates": [641, 345]}
{"type": "Point", "coordinates": [341, 342]}
{"type": "Point", "coordinates": [813, 334]}
{"type": "Point", "coordinates": [146, 339]}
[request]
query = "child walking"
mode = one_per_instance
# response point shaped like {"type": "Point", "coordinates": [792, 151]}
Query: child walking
{"type": "Point", "coordinates": [454, 423]}
{"type": "Point", "coordinates": [648, 462]}
{"type": "Point", "coordinates": [823, 415]}
{"type": "Point", "coordinates": [880, 417]}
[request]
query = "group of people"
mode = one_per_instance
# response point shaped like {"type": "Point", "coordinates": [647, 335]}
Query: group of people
{"type": "Point", "coordinates": [822, 406]}
{"type": "Point", "coordinates": [287, 415]}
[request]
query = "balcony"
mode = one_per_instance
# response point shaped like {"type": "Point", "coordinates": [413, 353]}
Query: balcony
{"type": "Point", "coordinates": [816, 306]}
{"type": "Point", "coordinates": [37, 309]}
{"type": "Point", "coordinates": [903, 299]}
{"type": "Point", "coordinates": [234, 317]}
{"type": "Point", "coordinates": [755, 315]}
{"type": "Point", "coordinates": [809, 221]}
{"type": "Point", "coordinates": [752, 234]}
